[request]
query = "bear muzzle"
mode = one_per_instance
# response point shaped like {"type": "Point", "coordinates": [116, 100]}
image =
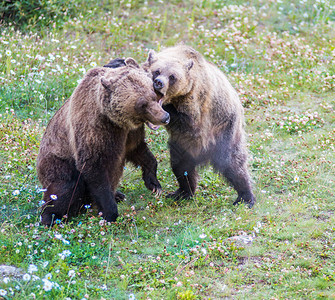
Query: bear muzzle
{"type": "Point", "coordinates": [161, 85]}
{"type": "Point", "coordinates": [165, 120]}
{"type": "Point", "coordinates": [158, 84]}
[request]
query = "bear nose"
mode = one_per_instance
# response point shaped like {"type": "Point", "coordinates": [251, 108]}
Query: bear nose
{"type": "Point", "coordinates": [166, 119]}
{"type": "Point", "coordinates": [158, 84]}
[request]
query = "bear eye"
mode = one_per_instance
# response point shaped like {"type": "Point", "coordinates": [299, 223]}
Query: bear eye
{"type": "Point", "coordinates": [157, 73]}
{"type": "Point", "coordinates": [172, 78]}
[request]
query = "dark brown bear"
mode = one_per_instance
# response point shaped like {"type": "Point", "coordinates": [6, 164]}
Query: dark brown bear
{"type": "Point", "coordinates": [207, 120]}
{"type": "Point", "coordinates": [86, 143]}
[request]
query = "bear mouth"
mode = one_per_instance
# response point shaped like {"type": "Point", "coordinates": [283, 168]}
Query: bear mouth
{"type": "Point", "coordinates": [150, 125]}
{"type": "Point", "coordinates": [159, 94]}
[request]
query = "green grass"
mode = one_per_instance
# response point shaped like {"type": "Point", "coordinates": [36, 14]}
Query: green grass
{"type": "Point", "coordinates": [279, 57]}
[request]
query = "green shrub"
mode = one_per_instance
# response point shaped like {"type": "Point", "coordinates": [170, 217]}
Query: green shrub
{"type": "Point", "coordinates": [37, 13]}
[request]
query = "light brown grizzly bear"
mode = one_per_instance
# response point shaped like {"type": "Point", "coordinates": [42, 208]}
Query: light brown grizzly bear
{"type": "Point", "coordinates": [85, 146]}
{"type": "Point", "coordinates": [207, 120]}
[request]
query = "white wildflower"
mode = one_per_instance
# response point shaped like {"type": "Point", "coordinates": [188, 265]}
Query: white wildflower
{"type": "Point", "coordinates": [32, 268]}
{"type": "Point", "coordinates": [47, 285]}
{"type": "Point", "coordinates": [26, 277]}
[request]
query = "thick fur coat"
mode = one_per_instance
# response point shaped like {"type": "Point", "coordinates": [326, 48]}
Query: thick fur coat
{"type": "Point", "coordinates": [86, 143]}
{"type": "Point", "coordinates": [207, 120]}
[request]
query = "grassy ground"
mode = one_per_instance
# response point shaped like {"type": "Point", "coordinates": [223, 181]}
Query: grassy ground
{"type": "Point", "coordinates": [279, 56]}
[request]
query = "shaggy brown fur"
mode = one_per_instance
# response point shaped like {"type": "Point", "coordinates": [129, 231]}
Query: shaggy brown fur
{"type": "Point", "coordinates": [86, 143]}
{"type": "Point", "coordinates": [207, 122]}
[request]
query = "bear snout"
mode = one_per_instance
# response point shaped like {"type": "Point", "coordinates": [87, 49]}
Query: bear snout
{"type": "Point", "coordinates": [158, 84]}
{"type": "Point", "coordinates": [166, 119]}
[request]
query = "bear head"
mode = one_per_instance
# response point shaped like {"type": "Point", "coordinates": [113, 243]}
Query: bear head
{"type": "Point", "coordinates": [129, 99]}
{"type": "Point", "coordinates": [170, 75]}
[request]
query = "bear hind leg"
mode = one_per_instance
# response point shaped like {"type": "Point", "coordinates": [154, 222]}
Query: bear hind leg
{"type": "Point", "coordinates": [234, 168]}
{"type": "Point", "coordinates": [184, 168]}
{"type": "Point", "coordinates": [62, 199]}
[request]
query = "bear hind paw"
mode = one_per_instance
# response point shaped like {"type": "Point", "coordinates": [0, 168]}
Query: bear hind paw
{"type": "Point", "coordinates": [179, 195]}
{"type": "Point", "coordinates": [248, 199]}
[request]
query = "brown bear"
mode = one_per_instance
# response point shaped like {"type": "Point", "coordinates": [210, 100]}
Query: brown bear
{"type": "Point", "coordinates": [207, 120]}
{"type": "Point", "coordinates": [86, 143]}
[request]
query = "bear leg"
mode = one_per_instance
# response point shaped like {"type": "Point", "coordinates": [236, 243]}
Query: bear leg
{"type": "Point", "coordinates": [62, 199]}
{"type": "Point", "coordinates": [143, 157]}
{"type": "Point", "coordinates": [101, 190]}
{"type": "Point", "coordinates": [231, 162]}
{"type": "Point", "coordinates": [184, 168]}
{"type": "Point", "coordinates": [65, 189]}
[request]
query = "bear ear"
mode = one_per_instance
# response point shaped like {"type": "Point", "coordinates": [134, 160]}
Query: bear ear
{"type": "Point", "coordinates": [130, 62]}
{"type": "Point", "coordinates": [189, 64]}
{"type": "Point", "coordinates": [151, 57]}
{"type": "Point", "coordinates": [106, 83]}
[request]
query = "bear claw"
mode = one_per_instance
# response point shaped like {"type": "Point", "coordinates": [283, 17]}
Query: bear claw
{"type": "Point", "coordinates": [178, 195]}
{"type": "Point", "coordinates": [119, 197]}
{"type": "Point", "coordinates": [250, 203]}
{"type": "Point", "coordinates": [157, 192]}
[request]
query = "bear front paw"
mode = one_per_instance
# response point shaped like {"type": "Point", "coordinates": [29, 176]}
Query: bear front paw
{"type": "Point", "coordinates": [110, 217]}
{"type": "Point", "coordinates": [119, 197]}
{"type": "Point", "coordinates": [153, 185]}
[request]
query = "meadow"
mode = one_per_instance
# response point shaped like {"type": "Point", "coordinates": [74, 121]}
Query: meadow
{"type": "Point", "coordinates": [279, 56]}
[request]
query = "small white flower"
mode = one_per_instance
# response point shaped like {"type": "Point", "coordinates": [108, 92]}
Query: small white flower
{"type": "Point", "coordinates": [34, 277]}
{"type": "Point", "coordinates": [39, 57]}
{"type": "Point", "coordinates": [45, 264]}
{"type": "Point", "coordinates": [8, 52]}
{"type": "Point", "coordinates": [204, 251]}
{"type": "Point", "coordinates": [51, 56]}
{"type": "Point", "coordinates": [93, 64]}
{"type": "Point", "coordinates": [3, 292]}
{"type": "Point", "coordinates": [6, 280]}
{"type": "Point", "coordinates": [26, 277]}
{"type": "Point", "coordinates": [41, 98]}
{"type": "Point", "coordinates": [71, 273]}
{"type": "Point", "coordinates": [16, 192]}
{"type": "Point", "coordinates": [132, 297]}
{"type": "Point", "coordinates": [202, 236]}
{"type": "Point", "coordinates": [48, 276]}
{"type": "Point", "coordinates": [48, 285]}
{"type": "Point", "coordinates": [296, 178]}
{"type": "Point", "coordinates": [32, 268]}
{"type": "Point", "coordinates": [64, 254]}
